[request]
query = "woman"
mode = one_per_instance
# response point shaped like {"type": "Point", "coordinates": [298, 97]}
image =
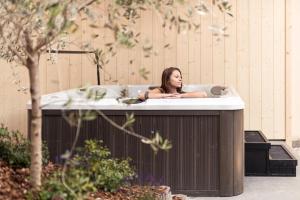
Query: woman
{"type": "Point", "coordinates": [171, 87]}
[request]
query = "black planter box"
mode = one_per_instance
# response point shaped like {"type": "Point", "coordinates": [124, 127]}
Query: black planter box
{"type": "Point", "coordinates": [282, 162]}
{"type": "Point", "coordinates": [256, 154]}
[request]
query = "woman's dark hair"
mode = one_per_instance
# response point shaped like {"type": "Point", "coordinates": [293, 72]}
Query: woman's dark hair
{"type": "Point", "coordinates": [165, 80]}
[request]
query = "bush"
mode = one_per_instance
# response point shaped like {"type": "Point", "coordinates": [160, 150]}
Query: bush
{"type": "Point", "coordinates": [148, 195]}
{"type": "Point", "coordinates": [15, 149]}
{"type": "Point", "coordinates": [107, 173]}
{"type": "Point", "coordinates": [79, 186]}
{"type": "Point", "coordinates": [89, 170]}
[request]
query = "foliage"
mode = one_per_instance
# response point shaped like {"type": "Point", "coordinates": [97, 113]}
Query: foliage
{"type": "Point", "coordinates": [15, 149]}
{"type": "Point", "coordinates": [148, 195]}
{"type": "Point", "coordinates": [76, 180]}
{"type": "Point", "coordinates": [123, 14]}
{"type": "Point", "coordinates": [157, 143]}
{"type": "Point", "coordinates": [105, 172]}
{"type": "Point", "coordinates": [89, 170]}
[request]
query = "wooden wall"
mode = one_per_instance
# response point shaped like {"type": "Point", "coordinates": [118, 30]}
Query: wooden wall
{"type": "Point", "coordinates": [251, 59]}
{"type": "Point", "coordinates": [292, 73]}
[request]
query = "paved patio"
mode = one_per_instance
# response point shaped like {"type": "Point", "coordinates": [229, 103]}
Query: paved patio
{"type": "Point", "coordinates": [268, 188]}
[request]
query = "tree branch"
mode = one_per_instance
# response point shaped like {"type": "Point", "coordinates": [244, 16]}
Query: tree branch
{"type": "Point", "coordinates": [16, 53]}
{"type": "Point", "coordinates": [79, 122]}
{"type": "Point", "coordinates": [84, 5]}
{"type": "Point", "coordinates": [13, 50]}
{"type": "Point", "coordinates": [114, 124]}
{"type": "Point", "coordinates": [45, 41]}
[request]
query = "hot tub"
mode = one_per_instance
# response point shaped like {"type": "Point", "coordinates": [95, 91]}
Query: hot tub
{"type": "Point", "coordinates": [207, 158]}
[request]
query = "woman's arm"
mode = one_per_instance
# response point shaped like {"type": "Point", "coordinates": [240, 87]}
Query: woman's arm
{"type": "Point", "coordinates": [154, 94]}
{"type": "Point", "coordinates": [193, 95]}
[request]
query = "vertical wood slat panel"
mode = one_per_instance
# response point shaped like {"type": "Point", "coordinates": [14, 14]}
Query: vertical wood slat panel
{"type": "Point", "coordinates": [159, 47]}
{"type": "Point", "coordinates": [135, 60]}
{"type": "Point", "coordinates": [218, 45]}
{"type": "Point", "coordinates": [89, 69]}
{"type": "Point", "coordinates": [52, 81]}
{"type": "Point", "coordinates": [75, 71]}
{"type": "Point", "coordinates": [174, 170]}
{"type": "Point", "coordinates": [170, 53]}
{"type": "Point", "coordinates": [64, 71]}
{"type": "Point", "coordinates": [8, 91]}
{"type": "Point", "coordinates": [243, 60]}
{"type": "Point", "coordinates": [267, 69]}
{"type": "Point", "coordinates": [255, 63]}
{"type": "Point", "coordinates": [188, 164]}
{"type": "Point", "coordinates": [290, 17]}
{"type": "Point", "coordinates": [161, 172]}
{"type": "Point", "coordinates": [238, 152]}
{"type": "Point", "coordinates": [75, 61]}
{"type": "Point", "coordinates": [194, 52]}
{"type": "Point", "coordinates": [110, 68]}
{"type": "Point", "coordinates": [206, 49]}
{"type": "Point", "coordinates": [226, 159]}
{"type": "Point", "coordinates": [59, 69]}
{"type": "Point", "coordinates": [279, 69]}
{"type": "Point", "coordinates": [183, 49]}
{"type": "Point", "coordinates": [146, 34]}
{"type": "Point", "coordinates": [230, 48]}
{"type": "Point", "coordinates": [122, 65]}
{"type": "Point", "coordinates": [194, 60]}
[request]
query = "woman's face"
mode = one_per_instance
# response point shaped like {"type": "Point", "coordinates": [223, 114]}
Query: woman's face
{"type": "Point", "coordinates": [176, 79]}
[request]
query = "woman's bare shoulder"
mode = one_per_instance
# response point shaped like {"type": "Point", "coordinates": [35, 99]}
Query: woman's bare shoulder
{"type": "Point", "coordinates": [156, 90]}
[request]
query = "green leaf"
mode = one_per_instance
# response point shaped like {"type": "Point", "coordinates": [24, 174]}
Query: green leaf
{"type": "Point", "coordinates": [66, 155]}
{"type": "Point", "coordinates": [93, 26]}
{"type": "Point", "coordinates": [89, 115]}
{"type": "Point", "coordinates": [129, 120]}
{"type": "Point", "coordinates": [144, 73]}
{"type": "Point", "coordinates": [68, 103]}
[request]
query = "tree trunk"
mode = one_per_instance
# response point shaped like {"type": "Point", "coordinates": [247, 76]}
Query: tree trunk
{"type": "Point", "coordinates": [36, 121]}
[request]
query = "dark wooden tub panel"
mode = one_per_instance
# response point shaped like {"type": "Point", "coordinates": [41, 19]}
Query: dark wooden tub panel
{"type": "Point", "coordinates": [206, 158]}
{"type": "Point", "coordinates": [238, 153]}
{"type": "Point", "coordinates": [191, 163]}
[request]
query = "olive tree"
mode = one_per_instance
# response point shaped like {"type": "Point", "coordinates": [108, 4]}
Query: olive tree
{"type": "Point", "coordinates": [27, 28]}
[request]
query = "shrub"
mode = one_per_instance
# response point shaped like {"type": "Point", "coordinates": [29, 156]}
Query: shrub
{"type": "Point", "coordinates": [107, 173]}
{"type": "Point", "coordinates": [15, 149]}
{"type": "Point", "coordinates": [89, 170]}
{"type": "Point", "coordinates": [148, 195]}
{"type": "Point", "coordinates": [79, 186]}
